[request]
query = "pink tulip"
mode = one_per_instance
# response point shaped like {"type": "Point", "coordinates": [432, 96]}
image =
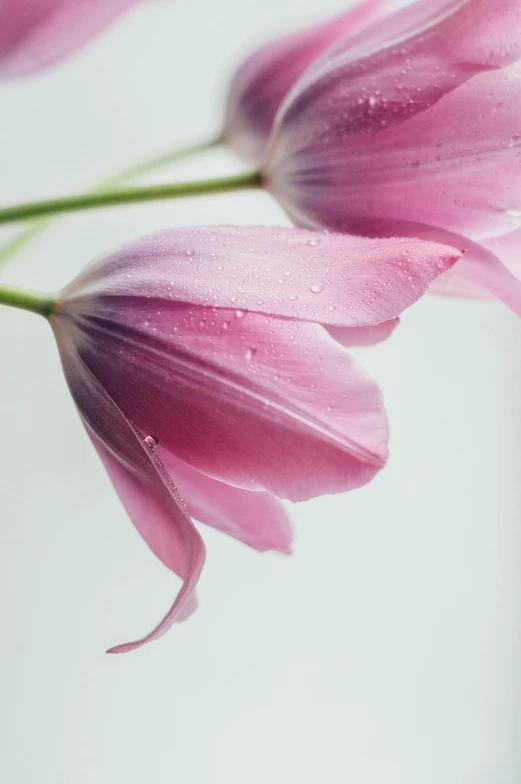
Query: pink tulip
{"type": "Point", "coordinates": [35, 33]}
{"type": "Point", "coordinates": [266, 76]}
{"type": "Point", "coordinates": [197, 359]}
{"type": "Point", "coordinates": [412, 127]}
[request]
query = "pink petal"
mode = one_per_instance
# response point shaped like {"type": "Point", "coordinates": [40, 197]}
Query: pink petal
{"type": "Point", "coordinates": [398, 66]}
{"type": "Point", "coordinates": [266, 76]}
{"type": "Point", "coordinates": [479, 273]}
{"type": "Point", "coordinates": [141, 482]}
{"type": "Point", "coordinates": [507, 248]}
{"type": "Point", "coordinates": [363, 336]}
{"type": "Point", "coordinates": [456, 165]}
{"type": "Point", "coordinates": [35, 33]}
{"type": "Point", "coordinates": [251, 400]}
{"type": "Point", "coordinates": [255, 518]}
{"type": "Point", "coordinates": [336, 280]}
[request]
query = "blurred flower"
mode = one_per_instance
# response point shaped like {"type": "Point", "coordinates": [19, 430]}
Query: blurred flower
{"type": "Point", "coordinates": [266, 76]}
{"type": "Point", "coordinates": [35, 33]}
{"type": "Point", "coordinates": [197, 356]}
{"type": "Point", "coordinates": [412, 127]}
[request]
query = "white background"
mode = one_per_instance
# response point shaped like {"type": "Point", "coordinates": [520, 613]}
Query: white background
{"type": "Point", "coordinates": [387, 649]}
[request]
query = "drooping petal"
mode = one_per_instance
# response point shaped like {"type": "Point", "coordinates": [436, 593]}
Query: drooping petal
{"type": "Point", "coordinates": [456, 165]}
{"type": "Point", "coordinates": [363, 336]}
{"type": "Point", "coordinates": [141, 481]}
{"type": "Point", "coordinates": [35, 33]}
{"type": "Point", "coordinates": [251, 400]}
{"type": "Point", "coordinates": [266, 76]}
{"type": "Point", "coordinates": [255, 518]}
{"type": "Point", "coordinates": [338, 280]}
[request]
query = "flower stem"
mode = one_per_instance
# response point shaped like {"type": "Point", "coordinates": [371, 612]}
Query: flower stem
{"type": "Point", "coordinates": [33, 301]}
{"type": "Point", "coordinates": [160, 161]}
{"type": "Point", "coordinates": [89, 201]}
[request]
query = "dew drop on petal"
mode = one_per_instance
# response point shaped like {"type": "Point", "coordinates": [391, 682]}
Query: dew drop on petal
{"type": "Point", "coordinates": [190, 252]}
{"type": "Point", "coordinates": [251, 353]}
{"type": "Point", "coordinates": [240, 314]}
{"type": "Point", "coordinates": [316, 288]}
{"type": "Point", "coordinates": [151, 441]}
{"type": "Point", "coordinates": [314, 243]}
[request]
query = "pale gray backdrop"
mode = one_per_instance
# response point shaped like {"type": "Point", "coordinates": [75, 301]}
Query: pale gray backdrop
{"type": "Point", "coordinates": [387, 649]}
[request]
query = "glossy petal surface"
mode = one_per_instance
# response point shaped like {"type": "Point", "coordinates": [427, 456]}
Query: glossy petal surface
{"type": "Point", "coordinates": [337, 280]}
{"type": "Point", "coordinates": [35, 33]}
{"type": "Point", "coordinates": [456, 165]}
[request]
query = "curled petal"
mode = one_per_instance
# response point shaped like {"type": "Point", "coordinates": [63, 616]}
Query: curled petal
{"type": "Point", "coordinates": [35, 33]}
{"type": "Point", "coordinates": [255, 518]}
{"type": "Point", "coordinates": [363, 336]}
{"type": "Point", "coordinates": [266, 76]}
{"type": "Point", "coordinates": [253, 401]}
{"type": "Point", "coordinates": [142, 483]}
{"type": "Point", "coordinates": [332, 279]}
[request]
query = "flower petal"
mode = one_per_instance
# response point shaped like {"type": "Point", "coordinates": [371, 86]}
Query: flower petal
{"type": "Point", "coordinates": [396, 67]}
{"type": "Point", "coordinates": [255, 518]}
{"type": "Point", "coordinates": [456, 165]}
{"type": "Point", "coordinates": [141, 481]}
{"type": "Point", "coordinates": [363, 336]}
{"type": "Point", "coordinates": [266, 76]}
{"type": "Point", "coordinates": [254, 401]}
{"type": "Point", "coordinates": [479, 273]}
{"type": "Point", "coordinates": [35, 33]}
{"type": "Point", "coordinates": [333, 279]}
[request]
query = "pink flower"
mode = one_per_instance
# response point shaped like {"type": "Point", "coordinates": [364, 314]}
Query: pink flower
{"type": "Point", "coordinates": [197, 359]}
{"type": "Point", "coordinates": [35, 33]}
{"type": "Point", "coordinates": [266, 76]}
{"type": "Point", "coordinates": [412, 127]}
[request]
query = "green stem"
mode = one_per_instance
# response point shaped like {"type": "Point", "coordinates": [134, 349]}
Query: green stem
{"type": "Point", "coordinates": [33, 301]}
{"type": "Point", "coordinates": [156, 162]}
{"type": "Point", "coordinates": [89, 201]}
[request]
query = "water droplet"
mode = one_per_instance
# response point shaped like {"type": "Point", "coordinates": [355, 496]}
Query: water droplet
{"type": "Point", "coordinates": [314, 243]}
{"type": "Point", "coordinates": [190, 252]}
{"type": "Point", "coordinates": [251, 353]}
{"type": "Point", "coordinates": [316, 288]}
{"type": "Point", "coordinates": [151, 441]}
{"type": "Point", "coordinates": [331, 308]}
{"type": "Point", "coordinates": [293, 297]}
{"type": "Point", "coordinates": [240, 314]}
